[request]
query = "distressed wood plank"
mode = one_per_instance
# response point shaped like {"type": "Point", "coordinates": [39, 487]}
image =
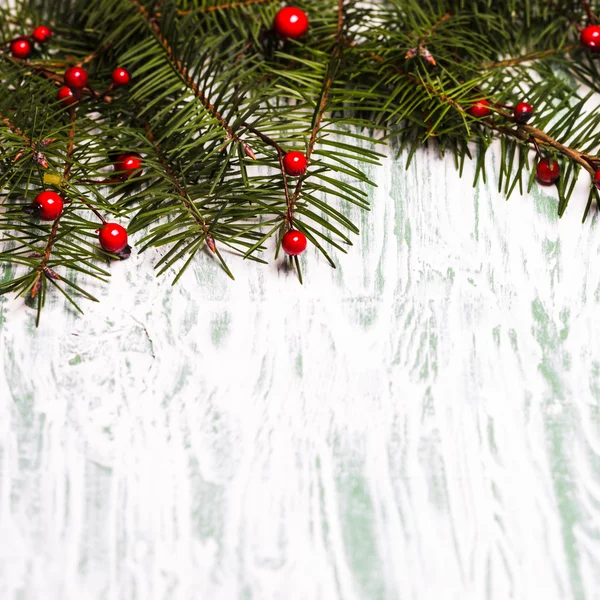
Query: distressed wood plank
{"type": "Point", "coordinates": [420, 423]}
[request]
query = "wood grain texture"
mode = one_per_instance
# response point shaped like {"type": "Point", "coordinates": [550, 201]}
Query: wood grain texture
{"type": "Point", "coordinates": [421, 423]}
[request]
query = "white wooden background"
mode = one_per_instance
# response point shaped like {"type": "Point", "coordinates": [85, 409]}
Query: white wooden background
{"type": "Point", "coordinates": [421, 423]}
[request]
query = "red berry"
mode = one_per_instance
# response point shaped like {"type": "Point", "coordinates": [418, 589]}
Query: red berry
{"type": "Point", "coordinates": [597, 179]}
{"type": "Point", "coordinates": [20, 48]}
{"type": "Point", "coordinates": [66, 96]}
{"type": "Point", "coordinates": [547, 174]}
{"type": "Point", "coordinates": [480, 109]}
{"type": "Point", "coordinates": [590, 37]}
{"type": "Point", "coordinates": [120, 76]}
{"type": "Point", "coordinates": [113, 237]}
{"type": "Point", "coordinates": [51, 205]}
{"type": "Point", "coordinates": [294, 163]}
{"type": "Point", "coordinates": [523, 112]}
{"type": "Point", "coordinates": [127, 164]}
{"type": "Point", "coordinates": [293, 242]}
{"type": "Point", "coordinates": [76, 78]}
{"type": "Point", "coordinates": [291, 22]}
{"type": "Point", "coordinates": [41, 34]}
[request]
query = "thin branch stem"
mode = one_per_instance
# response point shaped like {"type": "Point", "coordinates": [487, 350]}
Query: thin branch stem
{"type": "Point", "coordinates": [510, 62]}
{"type": "Point", "coordinates": [320, 110]}
{"type": "Point", "coordinates": [43, 266]}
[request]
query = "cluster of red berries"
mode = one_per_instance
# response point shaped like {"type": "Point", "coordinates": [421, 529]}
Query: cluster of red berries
{"type": "Point", "coordinates": [48, 206]}
{"type": "Point", "coordinates": [547, 170]}
{"type": "Point", "coordinates": [22, 47]}
{"type": "Point", "coordinates": [76, 79]}
{"type": "Point", "coordinates": [522, 112]}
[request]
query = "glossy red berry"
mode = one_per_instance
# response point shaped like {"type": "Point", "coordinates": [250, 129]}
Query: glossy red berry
{"type": "Point", "coordinates": [128, 165]}
{"type": "Point", "coordinates": [50, 205]}
{"type": "Point", "coordinates": [590, 37]}
{"type": "Point", "coordinates": [20, 48]}
{"type": "Point", "coordinates": [597, 179]}
{"type": "Point", "coordinates": [120, 76]}
{"type": "Point", "coordinates": [41, 34]}
{"type": "Point", "coordinates": [76, 78]}
{"type": "Point", "coordinates": [294, 163]}
{"type": "Point", "coordinates": [66, 96]}
{"type": "Point", "coordinates": [523, 112]}
{"type": "Point", "coordinates": [290, 22]}
{"type": "Point", "coordinates": [547, 174]}
{"type": "Point", "coordinates": [293, 242]}
{"type": "Point", "coordinates": [480, 109]}
{"type": "Point", "coordinates": [112, 237]}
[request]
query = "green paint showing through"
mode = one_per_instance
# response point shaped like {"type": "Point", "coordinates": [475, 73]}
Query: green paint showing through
{"type": "Point", "coordinates": [560, 422]}
{"type": "Point", "coordinates": [360, 540]}
{"type": "Point", "coordinates": [219, 328]}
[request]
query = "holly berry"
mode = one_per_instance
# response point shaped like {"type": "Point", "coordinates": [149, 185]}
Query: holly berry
{"type": "Point", "coordinates": [112, 237]}
{"type": "Point", "coordinates": [290, 22]}
{"type": "Point", "coordinates": [547, 174]}
{"type": "Point", "coordinates": [50, 205]}
{"type": "Point", "coordinates": [66, 96]}
{"type": "Point", "coordinates": [294, 164]}
{"type": "Point", "coordinates": [120, 76]}
{"type": "Point", "coordinates": [597, 179]}
{"type": "Point", "coordinates": [293, 242]}
{"type": "Point", "coordinates": [523, 112]}
{"type": "Point", "coordinates": [76, 78]}
{"type": "Point", "coordinates": [127, 164]}
{"type": "Point", "coordinates": [480, 109]}
{"type": "Point", "coordinates": [590, 37]}
{"type": "Point", "coordinates": [20, 48]}
{"type": "Point", "coordinates": [41, 34]}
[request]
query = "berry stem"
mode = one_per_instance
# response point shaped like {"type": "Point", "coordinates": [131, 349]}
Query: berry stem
{"type": "Point", "coordinates": [588, 11]}
{"type": "Point", "coordinates": [102, 219]}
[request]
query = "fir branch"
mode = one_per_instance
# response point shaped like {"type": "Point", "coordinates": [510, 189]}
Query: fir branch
{"type": "Point", "coordinates": [183, 73]}
{"type": "Point", "coordinates": [179, 187]}
{"type": "Point", "coordinates": [42, 268]}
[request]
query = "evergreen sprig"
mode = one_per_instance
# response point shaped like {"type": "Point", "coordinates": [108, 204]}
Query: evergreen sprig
{"type": "Point", "coordinates": [217, 99]}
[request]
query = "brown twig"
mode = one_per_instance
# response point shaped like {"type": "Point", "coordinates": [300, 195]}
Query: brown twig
{"type": "Point", "coordinates": [183, 72]}
{"type": "Point", "coordinates": [217, 7]}
{"type": "Point", "coordinates": [432, 29]}
{"type": "Point", "coordinates": [510, 62]}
